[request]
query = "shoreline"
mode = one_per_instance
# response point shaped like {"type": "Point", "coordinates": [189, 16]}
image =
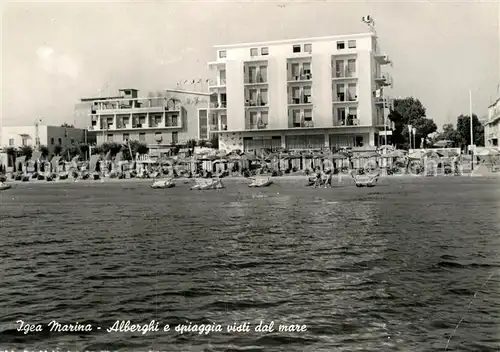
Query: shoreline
{"type": "Point", "coordinates": [289, 178]}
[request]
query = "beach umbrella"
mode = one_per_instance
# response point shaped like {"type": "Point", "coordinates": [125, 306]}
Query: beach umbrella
{"type": "Point", "coordinates": [431, 154]}
{"type": "Point", "coordinates": [366, 155]}
{"type": "Point", "coordinates": [418, 154]}
{"type": "Point", "coordinates": [394, 154]}
{"type": "Point", "coordinates": [340, 155]}
{"type": "Point", "coordinates": [487, 152]}
{"type": "Point", "coordinates": [443, 143]}
{"type": "Point", "coordinates": [448, 153]}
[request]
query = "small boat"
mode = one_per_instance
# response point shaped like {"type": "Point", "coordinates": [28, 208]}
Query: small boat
{"type": "Point", "coordinates": [260, 182]}
{"type": "Point", "coordinates": [365, 180]}
{"type": "Point", "coordinates": [210, 184]}
{"type": "Point", "coordinates": [163, 184]}
{"type": "Point", "coordinates": [4, 186]}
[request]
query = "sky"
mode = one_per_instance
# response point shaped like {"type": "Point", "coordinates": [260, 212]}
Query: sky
{"type": "Point", "coordinates": [55, 53]}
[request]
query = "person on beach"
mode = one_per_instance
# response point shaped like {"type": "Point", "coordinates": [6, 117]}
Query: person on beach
{"type": "Point", "coordinates": [318, 178]}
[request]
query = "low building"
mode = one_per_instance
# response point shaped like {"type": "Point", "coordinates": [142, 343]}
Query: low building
{"type": "Point", "coordinates": [158, 121]}
{"type": "Point", "coordinates": [40, 134]}
{"type": "Point", "coordinates": [492, 126]}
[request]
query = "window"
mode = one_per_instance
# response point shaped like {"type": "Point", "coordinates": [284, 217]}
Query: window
{"type": "Point", "coordinates": [307, 95]}
{"type": "Point", "coordinates": [351, 44]}
{"type": "Point", "coordinates": [264, 51]}
{"type": "Point", "coordinates": [351, 67]}
{"type": "Point", "coordinates": [24, 141]}
{"type": "Point", "coordinates": [110, 138]}
{"type": "Point", "coordinates": [142, 137]}
{"type": "Point", "coordinates": [254, 52]}
{"type": "Point", "coordinates": [11, 141]}
{"type": "Point", "coordinates": [174, 120]}
{"type": "Point", "coordinates": [340, 45]}
{"type": "Point", "coordinates": [202, 124]}
{"type": "Point", "coordinates": [125, 137]}
{"type": "Point", "coordinates": [175, 138]}
{"type": "Point", "coordinates": [252, 119]}
{"type": "Point", "coordinates": [222, 54]}
{"type": "Point", "coordinates": [296, 48]}
{"type": "Point", "coordinates": [340, 92]}
{"type": "Point", "coordinates": [158, 137]}
{"type": "Point", "coordinates": [59, 140]}
{"type": "Point", "coordinates": [308, 115]}
{"type": "Point", "coordinates": [72, 141]}
{"type": "Point", "coordinates": [352, 92]}
{"type": "Point", "coordinates": [264, 118]}
{"type": "Point", "coordinates": [359, 141]}
{"type": "Point", "coordinates": [341, 115]}
{"type": "Point", "coordinates": [308, 48]}
{"type": "Point", "coordinates": [223, 122]}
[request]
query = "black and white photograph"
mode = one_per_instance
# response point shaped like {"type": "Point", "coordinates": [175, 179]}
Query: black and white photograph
{"type": "Point", "coordinates": [236, 176]}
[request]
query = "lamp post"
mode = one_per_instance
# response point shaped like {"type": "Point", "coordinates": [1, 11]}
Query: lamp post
{"type": "Point", "coordinates": [414, 134]}
{"type": "Point", "coordinates": [409, 133]}
{"type": "Point", "coordinates": [471, 131]}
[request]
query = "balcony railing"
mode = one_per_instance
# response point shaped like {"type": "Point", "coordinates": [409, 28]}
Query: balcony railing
{"type": "Point", "coordinates": [255, 79]}
{"type": "Point", "coordinates": [222, 105]}
{"type": "Point", "coordinates": [349, 121]}
{"type": "Point", "coordinates": [256, 126]}
{"type": "Point", "coordinates": [341, 97]}
{"type": "Point", "coordinates": [255, 103]}
{"type": "Point", "coordinates": [303, 124]}
{"type": "Point", "coordinates": [300, 77]}
{"type": "Point", "coordinates": [307, 99]}
{"type": "Point", "coordinates": [344, 73]}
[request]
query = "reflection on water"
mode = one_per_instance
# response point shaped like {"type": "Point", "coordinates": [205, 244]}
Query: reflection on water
{"type": "Point", "coordinates": [387, 269]}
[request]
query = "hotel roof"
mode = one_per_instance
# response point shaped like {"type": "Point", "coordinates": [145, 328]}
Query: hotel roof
{"type": "Point", "coordinates": [297, 40]}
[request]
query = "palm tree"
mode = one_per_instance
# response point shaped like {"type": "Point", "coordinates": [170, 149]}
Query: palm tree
{"type": "Point", "coordinates": [26, 150]}
{"type": "Point", "coordinates": [57, 150]}
{"type": "Point", "coordinates": [11, 155]}
{"type": "Point", "coordinates": [44, 150]}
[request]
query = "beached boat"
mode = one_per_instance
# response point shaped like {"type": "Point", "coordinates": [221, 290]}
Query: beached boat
{"type": "Point", "coordinates": [260, 182]}
{"type": "Point", "coordinates": [365, 180]}
{"type": "Point", "coordinates": [207, 184]}
{"type": "Point", "coordinates": [163, 184]}
{"type": "Point", "coordinates": [4, 186]}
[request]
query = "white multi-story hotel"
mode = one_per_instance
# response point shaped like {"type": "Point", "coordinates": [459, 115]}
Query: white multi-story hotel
{"type": "Point", "coordinates": [300, 94]}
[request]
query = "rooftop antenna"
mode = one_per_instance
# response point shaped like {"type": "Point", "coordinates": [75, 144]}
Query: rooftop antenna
{"type": "Point", "coordinates": [370, 22]}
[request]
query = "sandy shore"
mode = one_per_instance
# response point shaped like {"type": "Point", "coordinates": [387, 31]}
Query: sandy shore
{"type": "Point", "coordinates": [289, 178]}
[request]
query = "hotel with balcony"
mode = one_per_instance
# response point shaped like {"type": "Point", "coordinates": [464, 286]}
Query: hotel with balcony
{"type": "Point", "coordinates": [492, 126]}
{"type": "Point", "coordinates": [160, 121]}
{"type": "Point", "coordinates": [299, 94]}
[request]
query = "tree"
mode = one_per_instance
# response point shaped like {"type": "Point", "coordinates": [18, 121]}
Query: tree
{"type": "Point", "coordinates": [202, 143]}
{"type": "Point", "coordinates": [214, 141]}
{"type": "Point", "coordinates": [424, 127]}
{"type": "Point", "coordinates": [67, 125]}
{"type": "Point", "coordinates": [191, 143]}
{"type": "Point", "coordinates": [26, 150]}
{"type": "Point", "coordinates": [112, 147]}
{"type": "Point", "coordinates": [84, 150]}
{"type": "Point", "coordinates": [410, 111]}
{"type": "Point", "coordinates": [44, 150]}
{"type": "Point", "coordinates": [57, 149]}
{"type": "Point", "coordinates": [138, 148]}
{"type": "Point", "coordinates": [463, 128]}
